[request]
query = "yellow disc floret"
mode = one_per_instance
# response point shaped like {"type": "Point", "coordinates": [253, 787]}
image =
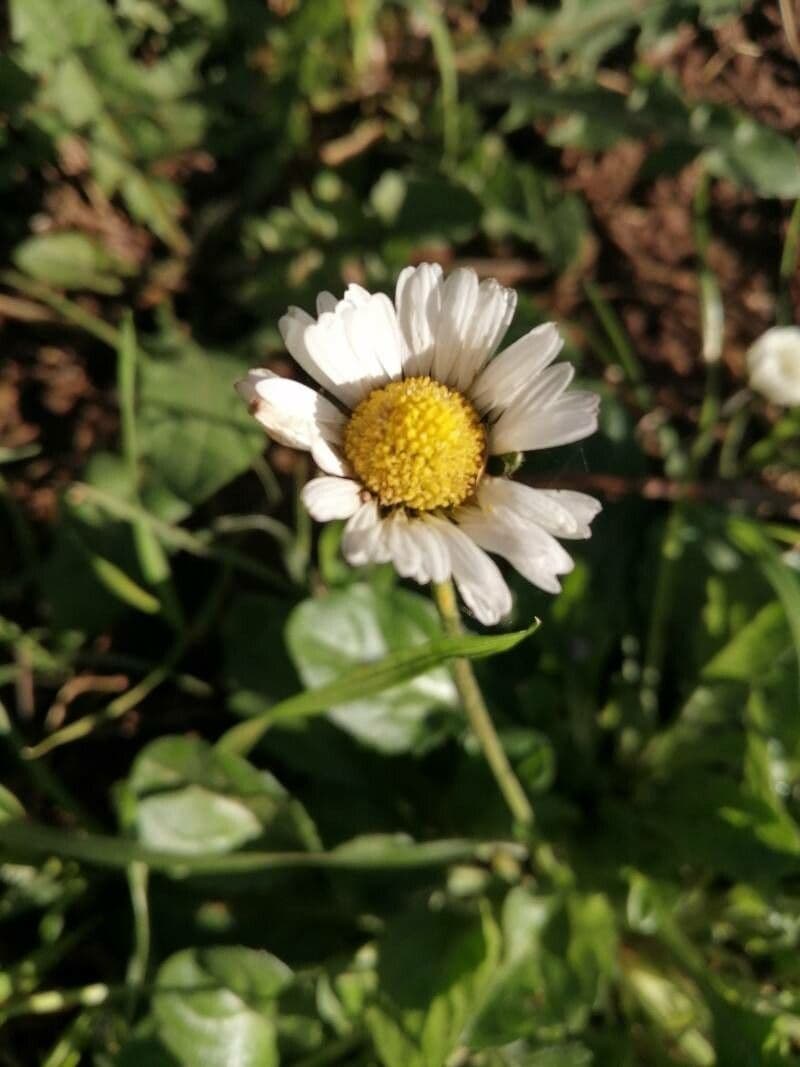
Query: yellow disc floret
{"type": "Point", "coordinates": [416, 443]}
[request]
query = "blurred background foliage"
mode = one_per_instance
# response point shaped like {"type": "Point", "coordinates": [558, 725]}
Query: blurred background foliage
{"type": "Point", "coordinates": [346, 887]}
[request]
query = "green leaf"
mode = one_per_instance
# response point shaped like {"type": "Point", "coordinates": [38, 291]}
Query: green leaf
{"type": "Point", "coordinates": [327, 637]}
{"type": "Point", "coordinates": [71, 261]}
{"type": "Point", "coordinates": [10, 807]}
{"type": "Point", "coordinates": [211, 11]}
{"type": "Point", "coordinates": [193, 799]}
{"type": "Point", "coordinates": [751, 538]}
{"type": "Point", "coordinates": [433, 968]}
{"type": "Point", "coordinates": [559, 953]}
{"type": "Point", "coordinates": [569, 1055]}
{"type": "Point", "coordinates": [426, 207]}
{"type": "Point", "coordinates": [734, 146]}
{"type": "Point", "coordinates": [523, 204]}
{"type": "Point", "coordinates": [194, 433]}
{"type": "Point", "coordinates": [751, 654]}
{"type": "Point", "coordinates": [361, 682]}
{"type": "Point", "coordinates": [217, 1006]}
{"type": "Point", "coordinates": [748, 153]}
{"type": "Point", "coordinates": [763, 809]}
{"type": "Point", "coordinates": [144, 1053]}
{"type": "Point", "coordinates": [117, 582]}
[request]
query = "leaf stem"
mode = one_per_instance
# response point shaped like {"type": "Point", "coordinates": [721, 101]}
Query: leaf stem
{"type": "Point", "coordinates": [23, 837]}
{"type": "Point", "coordinates": [477, 712]}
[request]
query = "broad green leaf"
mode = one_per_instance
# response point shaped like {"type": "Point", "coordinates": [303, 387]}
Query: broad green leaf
{"type": "Point", "coordinates": [217, 1006]}
{"type": "Point", "coordinates": [370, 679]}
{"type": "Point", "coordinates": [51, 28]}
{"type": "Point", "coordinates": [195, 820]}
{"type": "Point", "coordinates": [329, 636]}
{"type": "Point", "coordinates": [194, 432]}
{"type": "Point", "coordinates": [71, 260]}
{"type": "Point", "coordinates": [427, 206]}
{"type": "Point", "coordinates": [145, 1052]}
{"type": "Point", "coordinates": [194, 799]}
{"type": "Point", "coordinates": [747, 153]}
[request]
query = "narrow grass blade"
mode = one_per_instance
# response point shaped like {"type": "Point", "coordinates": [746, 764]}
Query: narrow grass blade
{"type": "Point", "coordinates": [368, 680]}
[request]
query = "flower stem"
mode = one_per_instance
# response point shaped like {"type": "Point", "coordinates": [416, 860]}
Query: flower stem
{"type": "Point", "coordinates": [477, 713]}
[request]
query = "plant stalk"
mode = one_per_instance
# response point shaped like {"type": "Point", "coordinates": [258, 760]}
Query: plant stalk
{"type": "Point", "coordinates": [477, 713]}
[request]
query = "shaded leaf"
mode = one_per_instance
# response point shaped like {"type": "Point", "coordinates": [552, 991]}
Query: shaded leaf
{"type": "Point", "coordinates": [216, 1006]}
{"type": "Point", "coordinates": [326, 637]}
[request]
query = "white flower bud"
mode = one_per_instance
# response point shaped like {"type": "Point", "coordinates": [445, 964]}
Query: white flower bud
{"type": "Point", "coordinates": [773, 363]}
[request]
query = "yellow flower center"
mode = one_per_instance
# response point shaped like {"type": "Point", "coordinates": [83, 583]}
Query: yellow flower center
{"type": "Point", "coordinates": [416, 443]}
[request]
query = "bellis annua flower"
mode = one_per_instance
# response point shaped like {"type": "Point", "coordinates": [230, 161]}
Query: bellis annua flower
{"type": "Point", "coordinates": [773, 363]}
{"type": "Point", "coordinates": [411, 406]}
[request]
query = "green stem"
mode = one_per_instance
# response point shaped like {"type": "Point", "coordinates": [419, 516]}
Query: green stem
{"type": "Point", "coordinates": [47, 783]}
{"type": "Point", "coordinates": [68, 310]}
{"type": "Point", "coordinates": [671, 551]}
{"type": "Point", "coordinates": [788, 266]}
{"type": "Point", "coordinates": [477, 713]}
{"type": "Point", "coordinates": [26, 838]}
{"type": "Point", "coordinates": [731, 445]}
{"type": "Point", "coordinates": [138, 877]}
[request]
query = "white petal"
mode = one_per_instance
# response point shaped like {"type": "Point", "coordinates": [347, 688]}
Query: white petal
{"type": "Point", "coordinates": [404, 548]}
{"type": "Point", "coordinates": [356, 295]}
{"type": "Point", "coordinates": [363, 541]}
{"type": "Point", "coordinates": [418, 550]}
{"type": "Point", "coordinates": [331, 498]}
{"type": "Point", "coordinates": [527, 547]}
{"type": "Point", "coordinates": [330, 458]}
{"type": "Point", "coordinates": [510, 373]}
{"type": "Point", "coordinates": [478, 578]}
{"type": "Point", "coordinates": [493, 314]}
{"type": "Point", "coordinates": [293, 327]}
{"type": "Point", "coordinates": [328, 346]}
{"type": "Point", "coordinates": [375, 337]}
{"type": "Point", "coordinates": [459, 299]}
{"type": "Point", "coordinates": [561, 512]}
{"type": "Point", "coordinates": [291, 413]}
{"type": "Point", "coordinates": [434, 555]}
{"type": "Point", "coordinates": [418, 299]}
{"type": "Point", "coordinates": [522, 428]}
{"type": "Point", "coordinates": [582, 507]}
{"type": "Point", "coordinates": [326, 302]}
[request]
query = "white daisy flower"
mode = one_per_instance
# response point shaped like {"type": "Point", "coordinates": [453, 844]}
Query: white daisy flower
{"type": "Point", "coordinates": [411, 406]}
{"type": "Point", "coordinates": [773, 363]}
